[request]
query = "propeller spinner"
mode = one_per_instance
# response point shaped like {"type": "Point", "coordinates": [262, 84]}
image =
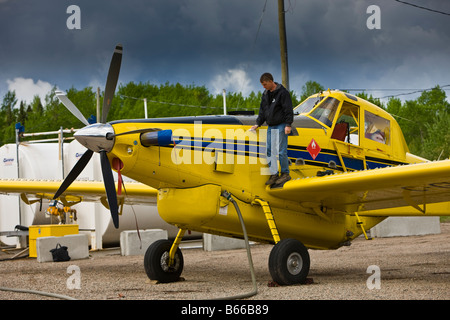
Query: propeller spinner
{"type": "Point", "coordinates": [98, 137]}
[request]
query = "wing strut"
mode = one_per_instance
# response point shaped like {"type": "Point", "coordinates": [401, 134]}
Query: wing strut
{"type": "Point", "coordinates": [360, 223]}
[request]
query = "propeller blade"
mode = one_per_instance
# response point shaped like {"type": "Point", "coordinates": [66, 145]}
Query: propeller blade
{"type": "Point", "coordinates": [75, 172]}
{"type": "Point", "coordinates": [110, 188]}
{"type": "Point", "coordinates": [71, 107]}
{"type": "Point", "coordinates": [111, 80]}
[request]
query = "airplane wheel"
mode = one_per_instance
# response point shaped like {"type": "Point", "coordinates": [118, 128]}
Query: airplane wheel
{"type": "Point", "coordinates": [156, 262]}
{"type": "Point", "coordinates": [289, 262]}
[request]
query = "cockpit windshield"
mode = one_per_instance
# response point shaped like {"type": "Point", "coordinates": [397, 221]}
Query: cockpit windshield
{"type": "Point", "coordinates": [326, 111]}
{"type": "Point", "coordinates": [307, 105]}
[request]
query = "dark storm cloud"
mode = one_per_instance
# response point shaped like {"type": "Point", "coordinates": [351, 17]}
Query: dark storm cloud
{"type": "Point", "coordinates": [162, 39]}
{"type": "Point", "coordinates": [211, 43]}
{"type": "Point", "coordinates": [335, 38]}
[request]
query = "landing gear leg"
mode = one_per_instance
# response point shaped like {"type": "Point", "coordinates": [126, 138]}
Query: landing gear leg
{"type": "Point", "coordinates": [289, 262]}
{"type": "Point", "coordinates": [163, 261]}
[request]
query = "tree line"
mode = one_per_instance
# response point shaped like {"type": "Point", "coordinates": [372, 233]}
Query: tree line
{"type": "Point", "coordinates": [425, 121]}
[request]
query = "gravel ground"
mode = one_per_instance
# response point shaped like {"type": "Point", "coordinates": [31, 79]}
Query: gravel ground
{"type": "Point", "coordinates": [411, 268]}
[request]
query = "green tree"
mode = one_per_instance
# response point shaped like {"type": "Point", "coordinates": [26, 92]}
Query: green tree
{"type": "Point", "coordinates": [310, 88]}
{"type": "Point", "coordinates": [36, 105]}
{"type": "Point", "coordinates": [9, 101]}
{"type": "Point", "coordinates": [437, 144]}
{"type": "Point", "coordinates": [423, 122]}
{"type": "Point", "coordinates": [22, 114]}
{"type": "Point", "coordinates": [371, 99]}
{"type": "Point", "coordinates": [7, 118]}
{"type": "Point", "coordinates": [35, 112]}
{"type": "Point", "coordinates": [86, 102]}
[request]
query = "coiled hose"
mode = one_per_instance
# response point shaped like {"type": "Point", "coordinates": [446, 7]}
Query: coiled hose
{"type": "Point", "coordinates": [42, 293]}
{"type": "Point", "coordinates": [227, 195]}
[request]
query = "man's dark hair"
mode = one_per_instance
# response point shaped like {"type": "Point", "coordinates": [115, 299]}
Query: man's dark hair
{"type": "Point", "coordinates": [266, 77]}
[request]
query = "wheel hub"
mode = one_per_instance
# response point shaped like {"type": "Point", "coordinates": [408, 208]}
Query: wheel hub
{"type": "Point", "coordinates": [294, 263]}
{"type": "Point", "coordinates": [165, 263]}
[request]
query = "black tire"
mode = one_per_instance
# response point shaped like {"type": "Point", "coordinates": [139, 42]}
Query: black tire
{"type": "Point", "coordinates": [156, 262]}
{"type": "Point", "coordinates": [289, 262]}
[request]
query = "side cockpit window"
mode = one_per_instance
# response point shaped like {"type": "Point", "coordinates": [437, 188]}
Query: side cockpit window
{"type": "Point", "coordinates": [326, 111]}
{"type": "Point", "coordinates": [347, 124]}
{"type": "Point", "coordinates": [376, 128]}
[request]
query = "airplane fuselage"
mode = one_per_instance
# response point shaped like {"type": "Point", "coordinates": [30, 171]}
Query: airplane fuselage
{"type": "Point", "coordinates": [210, 154]}
{"type": "Point", "coordinates": [211, 173]}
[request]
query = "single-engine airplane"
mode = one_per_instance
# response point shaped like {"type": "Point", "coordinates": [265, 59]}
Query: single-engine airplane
{"type": "Point", "coordinates": [349, 162]}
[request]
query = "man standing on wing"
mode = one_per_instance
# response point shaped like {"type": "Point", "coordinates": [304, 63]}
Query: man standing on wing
{"type": "Point", "coordinates": [276, 110]}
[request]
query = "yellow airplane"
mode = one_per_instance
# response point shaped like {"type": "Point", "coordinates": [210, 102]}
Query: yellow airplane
{"type": "Point", "coordinates": [349, 163]}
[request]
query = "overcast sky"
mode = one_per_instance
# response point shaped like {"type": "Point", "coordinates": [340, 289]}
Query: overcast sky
{"type": "Point", "coordinates": [215, 43]}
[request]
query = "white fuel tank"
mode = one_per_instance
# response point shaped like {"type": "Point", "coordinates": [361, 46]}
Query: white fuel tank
{"type": "Point", "coordinates": [44, 161]}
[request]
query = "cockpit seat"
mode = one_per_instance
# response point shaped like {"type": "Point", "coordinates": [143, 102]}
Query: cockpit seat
{"type": "Point", "coordinates": [340, 131]}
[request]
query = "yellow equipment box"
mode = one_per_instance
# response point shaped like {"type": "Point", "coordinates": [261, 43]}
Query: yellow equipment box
{"type": "Point", "coordinates": [48, 230]}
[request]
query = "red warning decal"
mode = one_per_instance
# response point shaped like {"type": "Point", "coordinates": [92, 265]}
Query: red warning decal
{"type": "Point", "coordinates": [313, 148]}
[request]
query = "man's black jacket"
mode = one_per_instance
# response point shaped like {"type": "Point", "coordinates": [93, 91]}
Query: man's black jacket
{"type": "Point", "coordinates": [276, 107]}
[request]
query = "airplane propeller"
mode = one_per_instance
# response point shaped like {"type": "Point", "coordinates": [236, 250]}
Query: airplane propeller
{"type": "Point", "coordinates": [71, 107]}
{"type": "Point", "coordinates": [94, 138]}
{"type": "Point", "coordinates": [111, 82]}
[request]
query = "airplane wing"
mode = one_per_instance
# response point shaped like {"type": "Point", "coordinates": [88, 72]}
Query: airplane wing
{"type": "Point", "coordinates": [373, 192]}
{"type": "Point", "coordinates": [35, 190]}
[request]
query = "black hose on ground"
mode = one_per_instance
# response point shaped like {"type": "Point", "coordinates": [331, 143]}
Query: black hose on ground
{"type": "Point", "coordinates": [227, 195]}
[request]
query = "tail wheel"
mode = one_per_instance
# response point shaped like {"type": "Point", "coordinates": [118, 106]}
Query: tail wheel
{"type": "Point", "coordinates": [289, 262]}
{"type": "Point", "coordinates": [156, 262]}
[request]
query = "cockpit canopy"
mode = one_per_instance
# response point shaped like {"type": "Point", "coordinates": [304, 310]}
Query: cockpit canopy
{"type": "Point", "coordinates": [352, 119]}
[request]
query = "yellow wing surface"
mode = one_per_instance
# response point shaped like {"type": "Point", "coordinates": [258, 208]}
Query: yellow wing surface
{"type": "Point", "coordinates": [31, 190]}
{"type": "Point", "coordinates": [415, 189]}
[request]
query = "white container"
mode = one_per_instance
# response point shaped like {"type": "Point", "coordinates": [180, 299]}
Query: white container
{"type": "Point", "coordinates": [42, 161]}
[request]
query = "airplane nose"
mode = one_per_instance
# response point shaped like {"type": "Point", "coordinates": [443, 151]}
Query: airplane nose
{"type": "Point", "coordinates": [96, 137]}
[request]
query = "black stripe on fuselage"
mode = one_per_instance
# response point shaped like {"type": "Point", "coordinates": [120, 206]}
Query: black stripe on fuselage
{"type": "Point", "coordinates": [233, 120]}
{"type": "Point", "coordinates": [215, 119]}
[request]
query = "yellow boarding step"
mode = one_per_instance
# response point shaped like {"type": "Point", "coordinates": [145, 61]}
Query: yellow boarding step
{"type": "Point", "coordinates": [270, 220]}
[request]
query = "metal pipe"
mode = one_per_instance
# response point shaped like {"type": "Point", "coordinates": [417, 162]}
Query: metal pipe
{"type": "Point", "coordinates": [145, 108]}
{"type": "Point", "coordinates": [283, 45]}
{"type": "Point", "coordinates": [48, 133]}
{"type": "Point", "coordinates": [224, 102]}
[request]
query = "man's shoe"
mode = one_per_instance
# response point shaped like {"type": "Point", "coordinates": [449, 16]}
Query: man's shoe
{"type": "Point", "coordinates": [284, 177]}
{"type": "Point", "coordinates": [272, 179]}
